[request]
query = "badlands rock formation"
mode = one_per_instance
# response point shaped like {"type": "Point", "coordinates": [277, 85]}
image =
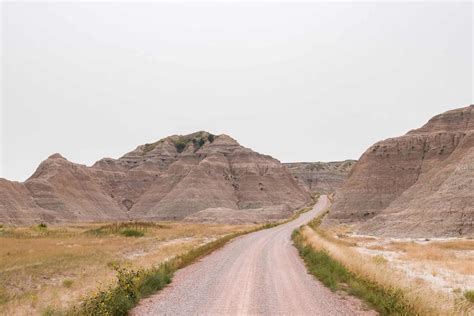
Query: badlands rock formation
{"type": "Point", "coordinates": [417, 185]}
{"type": "Point", "coordinates": [321, 177]}
{"type": "Point", "coordinates": [200, 176]}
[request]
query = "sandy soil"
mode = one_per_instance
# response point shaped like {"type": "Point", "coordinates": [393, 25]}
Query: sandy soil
{"type": "Point", "coordinates": [258, 274]}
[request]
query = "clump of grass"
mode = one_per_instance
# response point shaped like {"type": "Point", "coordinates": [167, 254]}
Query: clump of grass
{"type": "Point", "coordinates": [469, 295]}
{"type": "Point", "coordinates": [67, 283]}
{"type": "Point", "coordinates": [42, 226]}
{"type": "Point", "coordinates": [337, 277]}
{"type": "Point", "coordinates": [379, 260]}
{"type": "Point", "coordinates": [124, 229]}
{"type": "Point", "coordinates": [3, 295]}
{"type": "Point", "coordinates": [129, 232]}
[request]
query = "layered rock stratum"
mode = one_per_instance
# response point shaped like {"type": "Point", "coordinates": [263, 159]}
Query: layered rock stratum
{"type": "Point", "coordinates": [199, 177]}
{"type": "Point", "coordinates": [417, 185]}
{"type": "Point", "coordinates": [321, 177]}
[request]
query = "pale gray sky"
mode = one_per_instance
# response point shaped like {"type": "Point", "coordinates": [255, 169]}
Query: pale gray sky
{"type": "Point", "coordinates": [301, 82]}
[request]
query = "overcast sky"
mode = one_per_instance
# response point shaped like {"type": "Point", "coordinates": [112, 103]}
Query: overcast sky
{"type": "Point", "coordinates": [301, 82]}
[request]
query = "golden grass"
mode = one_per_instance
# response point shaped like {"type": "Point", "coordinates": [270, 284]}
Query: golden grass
{"type": "Point", "coordinates": [58, 265]}
{"type": "Point", "coordinates": [449, 254]}
{"type": "Point", "coordinates": [418, 294]}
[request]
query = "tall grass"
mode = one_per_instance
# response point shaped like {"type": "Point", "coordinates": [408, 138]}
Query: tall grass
{"type": "Point", "coordinates": [336, 276]}
{"type": "Point", "coordinates": [383, 287]}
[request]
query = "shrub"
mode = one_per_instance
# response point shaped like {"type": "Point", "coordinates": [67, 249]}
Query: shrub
{"type": "Point", "coordinates": [210, 138]}
{"type": "Point", "coordinates": [180, 146]}
{"type": "Point", "coordinates": [42, 226]}
{"type": "Point", "coordinates": [379, 259]}
{"type": "Point", "coordinates": [469, 295]}
{"type": "Point", "coordinates": [115, 300]}
{"type": "Point", "coordinates": [130, 232]}
{"type": "Point", "coordinates": [67, 283]}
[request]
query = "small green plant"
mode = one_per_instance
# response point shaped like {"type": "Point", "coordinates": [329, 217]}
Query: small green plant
{"type": "Point", "coordinates": [469, 295]}
{"type": "Point", "coordinates": [379, 260]}
{"type": "Point", "coordinates": [42, 226]}
{"type": "Point", "coordinates": [130, 232]}
{"type": "Point", "coordinates": [210, 138]}
{"type": "Point", "coordinates": [67, 283]}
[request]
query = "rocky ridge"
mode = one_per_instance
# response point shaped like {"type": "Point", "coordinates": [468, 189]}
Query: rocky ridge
{"type": "Point", "coordinates": [417, 185]}
{"type": "Point", "coordinates": [172, 179]}
{"type": "Point", "coordinates": [321, 177]}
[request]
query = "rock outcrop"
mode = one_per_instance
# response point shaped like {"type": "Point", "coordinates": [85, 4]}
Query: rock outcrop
{"type": "Point", "coordinates": [172, 179]}
{"type": "Point", "coordinates": [417, 185]}
{"type": "Point", "coordinates": [321, 177]}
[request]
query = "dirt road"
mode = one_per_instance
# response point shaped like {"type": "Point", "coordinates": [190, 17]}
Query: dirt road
{"type": "Point", "coordinates": [258, 274]}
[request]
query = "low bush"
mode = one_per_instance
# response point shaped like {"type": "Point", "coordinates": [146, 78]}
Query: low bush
{"type": "Point", "coordinates": [130, 232]}
{"type": "Point", "coordinates": [67, 283]}
{"type": "Point", "coordinates": [469, 295]}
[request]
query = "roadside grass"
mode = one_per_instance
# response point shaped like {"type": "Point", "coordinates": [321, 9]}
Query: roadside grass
{"type": "Point", "coordinates": [336, 277]}
{"type": "Point", "coordinates": [372, 279]}
{"type": "Point", "coordinates": [134, 284]}
{"type": "Point", "coordinates": [36, 267]}
{"type": "Point", "coordinates": [469, 295]}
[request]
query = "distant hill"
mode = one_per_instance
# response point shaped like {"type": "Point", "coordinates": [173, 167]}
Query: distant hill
{"type": "Point", "coordinates": [417, 185]}
{"type": "Point", "coordinates": [198, 176]}
{"type": "Point", "coordinates": [321, 177]}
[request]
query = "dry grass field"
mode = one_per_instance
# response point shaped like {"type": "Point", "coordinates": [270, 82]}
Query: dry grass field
{"type": "Point", "coordinates": [56, 266]}
{"type": "Point", "coordinates": [438, 272]}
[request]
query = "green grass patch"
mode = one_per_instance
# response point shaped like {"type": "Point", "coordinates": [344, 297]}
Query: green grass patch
{"type": "Point", "coordinates": [67, 283]}
{"type": "Point", "coordinates": [128, 229]}
{"type": "Point", "coordinates": [336, 277]}
{"type": "Point", "coordinates": [469, 295]}
{"type": "Point", "coordinates": [130, 232]}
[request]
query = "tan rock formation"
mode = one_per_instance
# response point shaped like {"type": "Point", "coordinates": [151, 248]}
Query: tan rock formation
{"type": "Point", "coordinates": [321, 177]}
{"type": "Point", "coordinates": [417, 185]}
{"type": "Point", "coordinates": [173, 178]}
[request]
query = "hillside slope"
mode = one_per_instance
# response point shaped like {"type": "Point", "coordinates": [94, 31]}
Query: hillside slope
{"type": "Point", "coordinates": [419, 185]}
{"type": "Point", "coordinates": [171, 179]}
{"type": "Point", "coordinates": [321, 177]}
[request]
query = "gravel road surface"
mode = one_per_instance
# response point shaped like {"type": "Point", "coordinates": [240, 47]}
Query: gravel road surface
{"type": "Point", "coordinates": [256, 274]}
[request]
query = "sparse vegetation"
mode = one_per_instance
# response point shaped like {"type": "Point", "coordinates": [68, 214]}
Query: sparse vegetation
{"type": "Point", "coordinates": [132, 284]}
{"type": "Point", "coordinates": [414, 295]}
{"type": "Point", "coordinates": [336, 277]}
{"type": "Point", "coordinates": [128, 229]}
{"type": "Point", "coordinates": [210, 138]}
{"type": "Point", "coordinates": [31, 260]}
{"type": "Point", "coordinates": [42, 226]}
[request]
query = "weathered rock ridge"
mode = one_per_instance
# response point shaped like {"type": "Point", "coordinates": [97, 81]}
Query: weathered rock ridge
{"type": "Point", "coordinates": [171, 179]}
{"type": "Point", "coordinates": [417, 185]}
{"type": "Point", "coordinates": [321, 177]}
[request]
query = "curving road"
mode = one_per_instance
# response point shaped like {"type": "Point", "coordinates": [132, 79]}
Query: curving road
{"type": "Point", "coordinates": [258, 274]}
